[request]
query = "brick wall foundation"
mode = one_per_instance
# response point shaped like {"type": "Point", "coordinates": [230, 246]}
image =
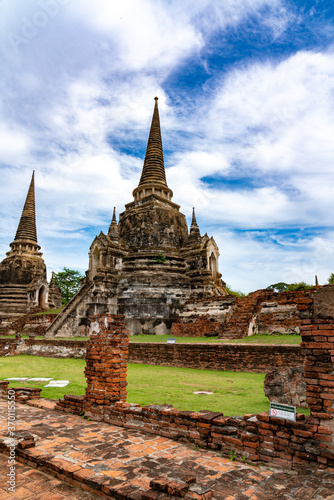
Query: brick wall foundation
{"type": "Point", "coordinates": [234, 357]}
{"type": "Point", "coordinates": [263, 311]}
{"type": "Point", "coordinates": [106, 367]}
{"type": "Point", "coordinates": [286, 386]}
{"type": "Point", "coordinates": [306, 442]}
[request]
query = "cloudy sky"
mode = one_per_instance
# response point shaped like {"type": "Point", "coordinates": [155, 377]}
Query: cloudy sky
{"type": "Point", "coordinates": [246, 99]}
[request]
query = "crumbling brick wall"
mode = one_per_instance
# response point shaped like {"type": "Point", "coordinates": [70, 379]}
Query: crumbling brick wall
{"type": "Point", "coordinates": [263, 311]}
{"type": "Point", "coordinates": [207, 356]}
{"type": "Point", "coordinates": [286, 386]}
{"type": "Point", "coordinates": [106, 367]}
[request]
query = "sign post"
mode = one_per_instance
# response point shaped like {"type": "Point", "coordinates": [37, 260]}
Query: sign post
{"type": "Point", "coordinates": [287, 412]}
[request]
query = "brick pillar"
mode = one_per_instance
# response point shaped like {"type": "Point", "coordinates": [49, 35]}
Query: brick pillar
{"type": "Point", "coordinates": [106, 364]}
{"type": "Point", "coordinates": [318, 347]}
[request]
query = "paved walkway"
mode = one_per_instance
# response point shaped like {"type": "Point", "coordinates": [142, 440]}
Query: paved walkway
{"type": "Point", "coordinates": [36, 485]}
{"type": "Point", "coordinates": [120, 463]}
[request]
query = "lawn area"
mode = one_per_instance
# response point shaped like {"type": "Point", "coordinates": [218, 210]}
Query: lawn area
{"type": "Point", "coordinates": [178, 340]}
{"type": "Point", "coordinates": [266, 338]}
{"type": "Point", "coordinates": [235, 393]}
{"type": "Point", "coordinates": [263, 338]}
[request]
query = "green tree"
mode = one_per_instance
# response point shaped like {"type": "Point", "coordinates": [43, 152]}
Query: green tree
{"type": "Point", "coordinates": [290, 287]}
{"type": "Point", "coordinates": [331, 279]}
{"type": "Point", "coordinates": [279, 287]}
{"type": "Point", "coordinates": [69, 282]}
{"type": "Point", "coordinates": [294, 287]}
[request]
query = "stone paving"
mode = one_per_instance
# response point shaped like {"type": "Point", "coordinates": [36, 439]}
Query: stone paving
{"type": "Point", "coordinates": [37, 485]}
{"type": "Point", "coordinates": [115, 462]}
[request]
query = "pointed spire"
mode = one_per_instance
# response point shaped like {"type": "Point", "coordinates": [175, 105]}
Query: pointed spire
{"type": "Point", "coordinates": [194, 221]}
{"type": "Point", "coordinates": [27, 226]}
{"type": "Point", "coordinates": [153, 177]}
{"type": "Point", "coordinates": [154, 169]}
{"type": "Point", "coordinates": [52, 285]}
{"type": "Point", "coordinates": [194, 233]}
{"type": "Point", "coordinates": [113, 228]}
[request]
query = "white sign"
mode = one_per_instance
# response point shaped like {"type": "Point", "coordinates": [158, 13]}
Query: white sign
{"type": "Point", "coordinates": [58, 383]}
{"type": "Point", "coordinates": [170, 341]}
{"type": "Point", "coordinates": [287, 412]}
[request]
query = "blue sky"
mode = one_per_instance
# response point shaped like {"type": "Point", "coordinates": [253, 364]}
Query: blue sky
{"type": "Point", "coordinates": [246, 99]}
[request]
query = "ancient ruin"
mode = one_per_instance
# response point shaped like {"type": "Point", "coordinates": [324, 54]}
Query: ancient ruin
{"type": "Point", "coordinates": [148, 264]}
{"type": "Point", "coordinates": [23, 281]}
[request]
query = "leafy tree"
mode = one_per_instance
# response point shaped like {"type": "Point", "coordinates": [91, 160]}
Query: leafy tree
{"type": "Point", "coordinates": [279, 287]}
{"type": "Point", "coordinates": [290, 287]}
{"type": "Point", "coordinates": [331, 279]}
{"type": "Point", "coordinates": [69, 282]}
{"type": "Point", "coordinates": [294, 287]}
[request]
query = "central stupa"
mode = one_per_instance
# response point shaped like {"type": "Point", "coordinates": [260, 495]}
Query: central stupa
{"type": "Point", "coordinates": [148, 264]}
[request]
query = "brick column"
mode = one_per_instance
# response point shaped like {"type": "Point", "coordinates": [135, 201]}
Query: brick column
{"type": "Point", "coordinates": [318, 347]}
{"type": "Point", "coordinates": [106, 364]}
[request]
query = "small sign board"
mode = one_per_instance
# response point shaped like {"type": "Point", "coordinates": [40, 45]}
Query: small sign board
{"type": "Point", "coordinates": [57, 383]}
{"type": "Point", "coordinates": [171, 341]}
{"type": "Point", "coordinates": [287, 412]}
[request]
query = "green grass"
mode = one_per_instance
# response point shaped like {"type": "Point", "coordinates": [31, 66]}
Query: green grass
{"type": "Point", "coordinates": [49, 311]}
{"type": "Point", "coordinates": [235, 393]}
{"type": "Point", "coordinates": [178, 340]}
{"type": "Point", "coordinates": [38, 366]}
{"type": "Point", "coordinates": [263, 338]}
{"type": "Point", "coordinates": [266, 338]}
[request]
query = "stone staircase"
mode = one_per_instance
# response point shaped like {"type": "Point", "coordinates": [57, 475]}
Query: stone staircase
{"type": "Point", "coordinates": [242, 321]}
{"type": "Point", "coordinates": [69, 309]}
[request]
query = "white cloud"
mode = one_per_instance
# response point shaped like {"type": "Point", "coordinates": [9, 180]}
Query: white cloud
{"type": "Point", "coordinates": [76, 100]}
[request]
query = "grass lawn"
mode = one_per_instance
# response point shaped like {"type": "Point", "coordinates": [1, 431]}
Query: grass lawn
{"type": "Point", "coordinates": [235, 393]}
{"type": "Point", "coordinates": [262, 338]}
{"type": "Point", "coordinates": [178, 340]}
{"type": "Point", "coordinates": [265, 338]}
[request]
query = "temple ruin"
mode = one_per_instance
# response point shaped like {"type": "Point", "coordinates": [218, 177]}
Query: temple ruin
{"type": "Point", "coordinates": [23, 280]}
{"type": "Point", "coordinates": [149, 263]}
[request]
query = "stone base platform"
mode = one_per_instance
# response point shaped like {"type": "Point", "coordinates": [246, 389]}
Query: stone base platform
{"type": "Point", "coordinates": [113, 462]}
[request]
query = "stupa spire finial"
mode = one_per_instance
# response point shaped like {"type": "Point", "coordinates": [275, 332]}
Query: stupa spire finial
{"type": "Point", "coordinates": [113, 228]}
{"type": "Point", "coordinates": [27, 226]}
{"type": "Point", "coordinates": [154, 168]}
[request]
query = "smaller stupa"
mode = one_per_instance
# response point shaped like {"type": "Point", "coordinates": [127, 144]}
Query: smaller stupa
{"type": "Point", "coordinates": [23, 281]}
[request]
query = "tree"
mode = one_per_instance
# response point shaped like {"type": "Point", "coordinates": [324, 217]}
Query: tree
{"type": "Point", "coordinates": [290, 287]}
{"type": "Point", "coordinates": [331, 279]}
{"type": "Point", "coordinates": [279, 287]}
{"type": "Point", "coordinates": [68, 281]}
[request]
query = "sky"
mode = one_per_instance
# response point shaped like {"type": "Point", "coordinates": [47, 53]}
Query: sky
{"type": "Point", "coordinates": [246, 101]}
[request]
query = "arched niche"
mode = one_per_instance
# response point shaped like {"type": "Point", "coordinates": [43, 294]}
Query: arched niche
{"type": "Point", "coordinates": [96, 257]}
{"type": "Point", "coordinates": [42, 297]}
{"type": "Point", "coordinates": [213, 265]}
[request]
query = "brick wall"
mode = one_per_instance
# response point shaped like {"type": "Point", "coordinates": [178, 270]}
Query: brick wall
{"type": "Point", "coordinates": [8, 347]}
{"type": "Point", "coordinates": [196, 326]}
{"type": "Point", "coordinates": [106, 367]}
{"type": "Point", "coordinates": [306, 442]}
{"type": "Point", "coordinates": [262, 311]}
{"type": "Point", "coordinates": [44, 347]}
{"type": "Point", "coordinates": [235, 357]}
{"type": "Point", "coordinates": [286, 386]}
